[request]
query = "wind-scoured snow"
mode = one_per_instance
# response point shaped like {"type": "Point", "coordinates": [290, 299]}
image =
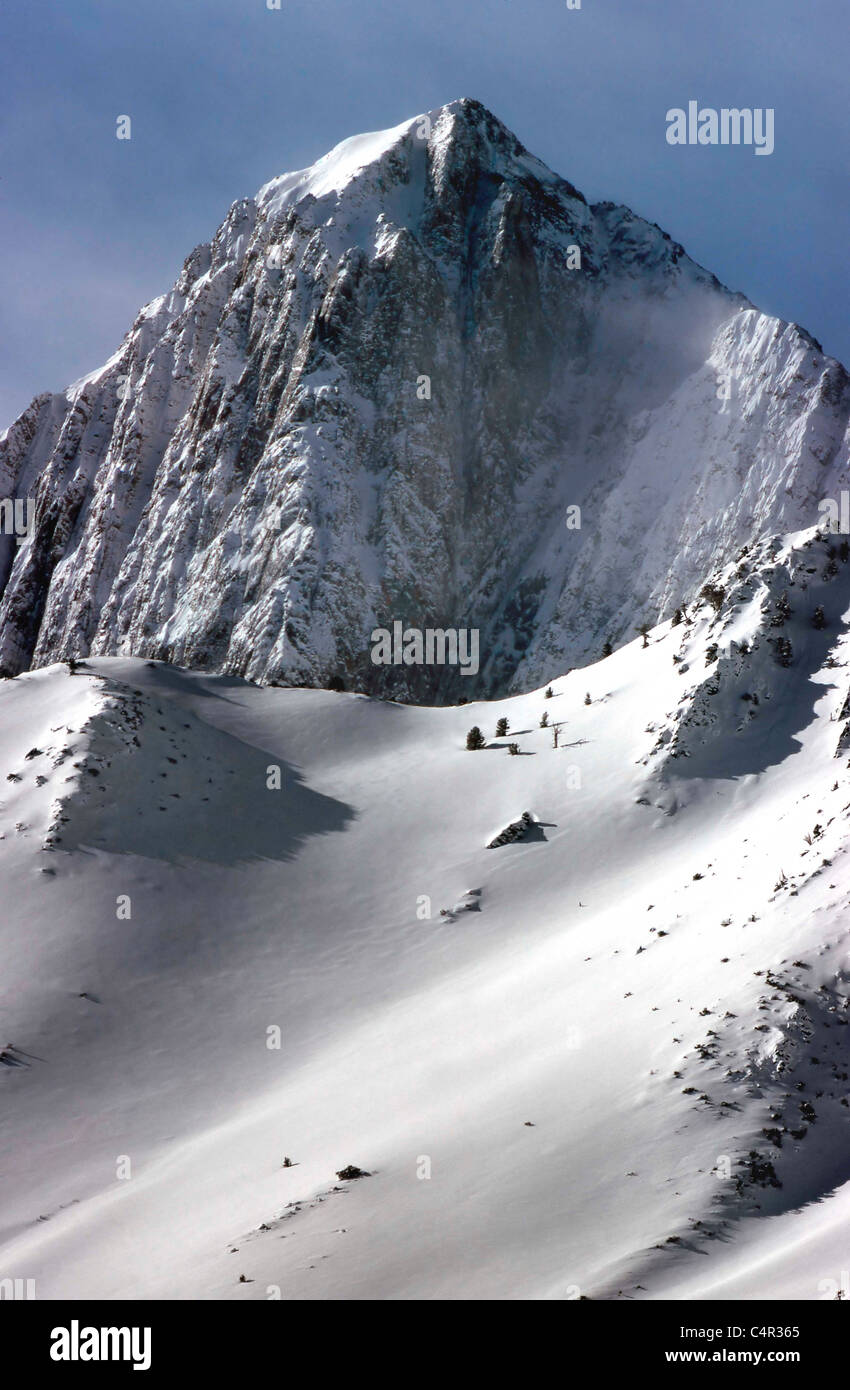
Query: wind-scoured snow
{"type": "Point", "coordinates": [333, 171]}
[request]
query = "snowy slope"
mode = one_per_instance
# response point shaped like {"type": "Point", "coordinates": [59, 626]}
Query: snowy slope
{"type": "Point", "coordinates": [623, 1054]}
{"type": "Point", "coordinates": [258, 478]}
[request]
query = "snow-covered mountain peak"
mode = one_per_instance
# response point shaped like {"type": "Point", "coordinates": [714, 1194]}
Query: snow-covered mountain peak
{"type": "Point", "coordinates": [422, 382]}
{"type": "Point", "coordinates": [461, 132]}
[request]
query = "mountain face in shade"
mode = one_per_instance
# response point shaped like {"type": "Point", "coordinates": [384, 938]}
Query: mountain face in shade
{"type": "Point", "coordinates": [374, 397]}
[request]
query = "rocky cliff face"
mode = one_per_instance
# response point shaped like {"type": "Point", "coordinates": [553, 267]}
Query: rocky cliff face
{"type": "Point", "coordinates": [374, 396]}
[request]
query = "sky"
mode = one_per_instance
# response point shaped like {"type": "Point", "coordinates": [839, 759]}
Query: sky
{"type": "Point", "coordinates": [225, 94]}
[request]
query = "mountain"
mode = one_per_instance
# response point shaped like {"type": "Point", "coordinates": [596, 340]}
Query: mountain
{"type": "Point", "coordinates": [605, 1055]}
{"type": "Point", "coordinates": [301, 997]}
{"type": "Point", "coordinates": [374, 396]}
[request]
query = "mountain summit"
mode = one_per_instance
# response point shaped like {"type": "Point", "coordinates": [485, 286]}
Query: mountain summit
{"type": "Point", "coordinates": [422, 381]}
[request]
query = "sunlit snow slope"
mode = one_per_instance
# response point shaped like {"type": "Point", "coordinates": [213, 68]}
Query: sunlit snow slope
{"type": "Point", "coordinates": [619, 1067]}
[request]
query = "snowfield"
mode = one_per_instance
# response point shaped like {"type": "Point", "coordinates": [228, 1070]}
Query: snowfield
{"type": "Point", "coordinates": [617, 1067]}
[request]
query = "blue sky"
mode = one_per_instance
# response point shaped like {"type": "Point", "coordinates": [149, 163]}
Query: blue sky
{"type": "Point", "coordinates": [224, 94]}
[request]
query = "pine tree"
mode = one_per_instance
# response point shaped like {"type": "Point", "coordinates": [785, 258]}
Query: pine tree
{"type": "Point", "coordinates": [644, 629]}
{"type": "Point", "coordinates": [607, 649]}
{"type": "Point", "coordinates": [587, 699]}
{"type": "Point", "coordinates": [713, 594]}
{"type": "Point", "coordinates": [782, 611]}
{"type": "Point", "coordinates": [474, 739]}
{"type": "Point", "coordinates": [549, 692]}
{"type": "Point", "coordinates": [513, 749]}
{"type": "Point", "coordinates": [544, 719]}
{"type": "Point", "coordinates": [784, 652]}
{"type": "Point", "coordinates": [677, 617]}
{"type": "Point", "coordinates": [501, 728]}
